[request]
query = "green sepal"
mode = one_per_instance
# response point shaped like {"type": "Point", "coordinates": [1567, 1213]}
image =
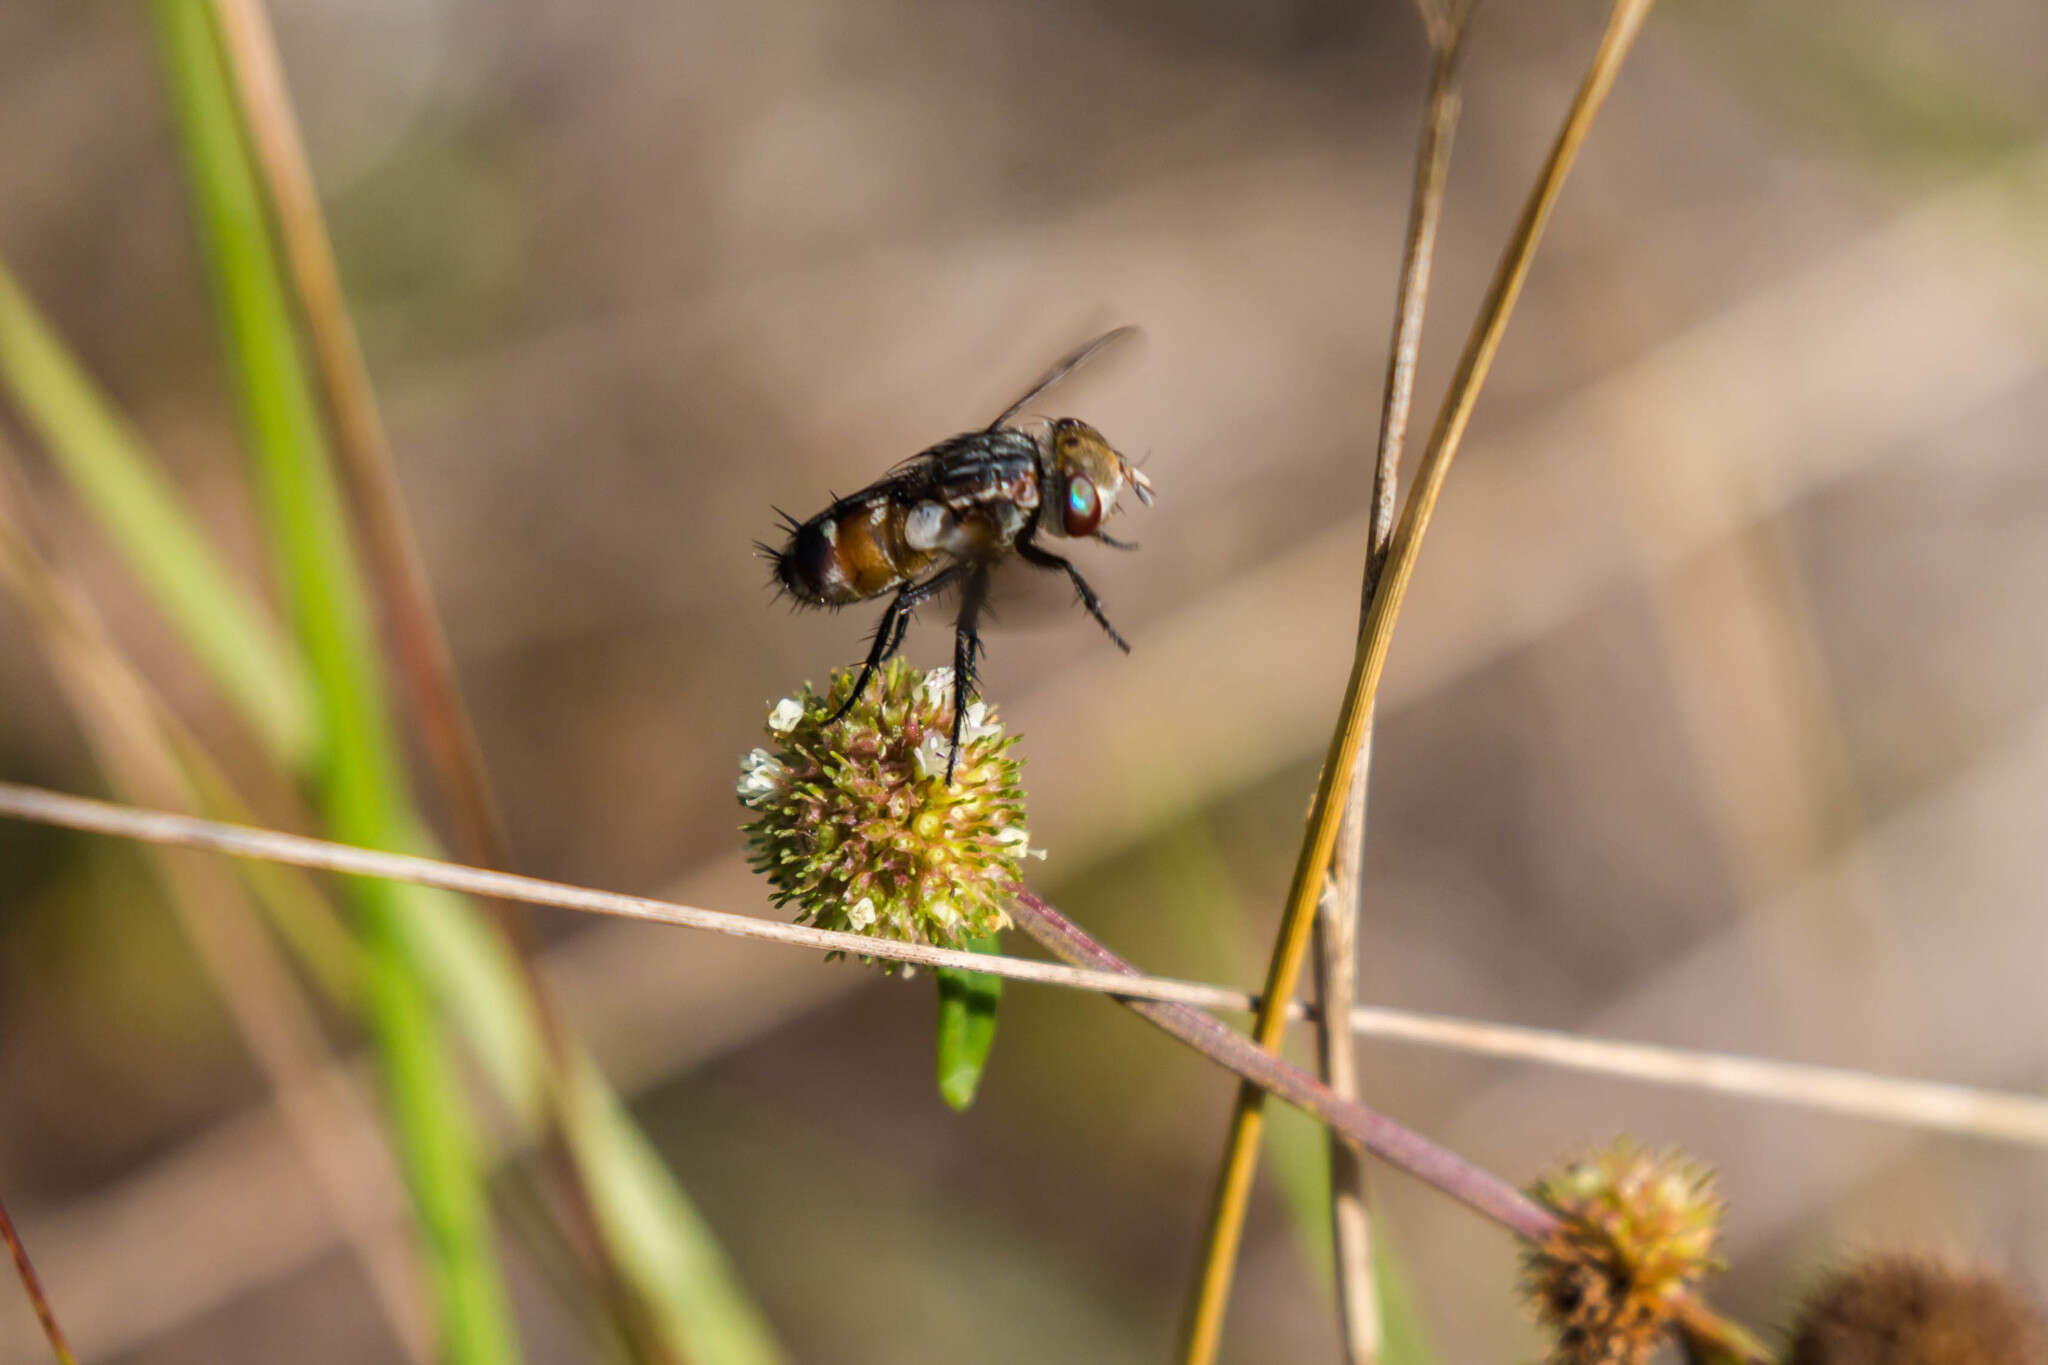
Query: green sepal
{"type": "Point", "coordinates": [967, 1024]}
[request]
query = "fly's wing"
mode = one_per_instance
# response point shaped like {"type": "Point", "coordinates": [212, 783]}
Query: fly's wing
{"type": "Point", "coordinates": [916, 475]}
{"type": "Point", "coordinates": [921, 475]}
{"type": "Point", "coordinates": [1067, 364]}
{"type": "Point", "coordinates": [946, 471]}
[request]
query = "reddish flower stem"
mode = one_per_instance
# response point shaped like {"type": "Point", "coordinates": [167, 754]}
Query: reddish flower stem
{"type": "Point", "coordinates": [1370, 1132]}
{"type": "Point", "coordinates": [46, 1315]}
{"type": "Point", "coordinates": [1374, 1133]}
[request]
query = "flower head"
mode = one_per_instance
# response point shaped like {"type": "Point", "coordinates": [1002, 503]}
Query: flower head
{"type": "Point", "coordinates": [855, 824]}
{"type": "Point", "coordinates": [1638, 1232]}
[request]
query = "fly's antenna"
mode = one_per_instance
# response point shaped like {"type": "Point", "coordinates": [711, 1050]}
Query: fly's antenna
{"type": "Point", "coordinates": [1141, 483]}
{"type": "Point", "coordinates": [1065, 366]}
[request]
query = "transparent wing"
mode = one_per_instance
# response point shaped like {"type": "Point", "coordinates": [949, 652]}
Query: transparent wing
{"type": "Point", "coordinates": [1067, 364]}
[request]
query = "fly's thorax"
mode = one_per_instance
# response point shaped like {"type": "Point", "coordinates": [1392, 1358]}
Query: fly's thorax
{"type": "Point", "coordinates": [1086, 475]}
{"type": "Point", "coordinates": [983, 492]}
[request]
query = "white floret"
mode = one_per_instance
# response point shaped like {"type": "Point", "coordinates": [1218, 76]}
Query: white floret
{"type": "Point", "coordinates": [1017, 838]}
{"type": "Point", "coordinates": [761, 775]}
{"type": "Point", "coordinates": [977, 726]}
{"type": "Point", "coordinates": [933, 755]}
{"type": "Point", "coordinates": [937, 687]}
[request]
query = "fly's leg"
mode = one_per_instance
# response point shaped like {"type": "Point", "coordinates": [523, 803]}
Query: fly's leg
{"type": "Point", "coordinates": [966, 651]}
{"type": "Point", "coordinates": [1113, 543]}
{"type": "Point", "coordinates": [912, 597]}
{"type": "Point", "coordinates": [1046, 559]}
{"type": "Point", "coordinates": [889, 633]}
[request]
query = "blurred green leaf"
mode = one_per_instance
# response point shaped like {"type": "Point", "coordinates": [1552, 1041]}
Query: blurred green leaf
{"type": "Point", "coordinates": [1895, 88]}
{"type": "Point", "coordinates": [1298, 1156]}
{"type": "Point", "coordinates": [661, 1241]}
{"type": "Point", "coordinates": [967, 1024]}
{"type": "Point", "coordinates": [1403, 1340]}
{"type": "Point", "coordinates": [423, 936]}
{"type": "Point", "coordinates": [106, 464]}
{"type": "Point", "coordinates": [356, 773]}
{"type": "Point", "coordinates": [1298, 1159]}
{"type": "Point", "coordinates": [664, 1242]}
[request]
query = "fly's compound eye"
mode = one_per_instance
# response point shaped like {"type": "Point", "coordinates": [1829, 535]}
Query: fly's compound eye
{"type": "Point", "coordinates": [1084, 508]}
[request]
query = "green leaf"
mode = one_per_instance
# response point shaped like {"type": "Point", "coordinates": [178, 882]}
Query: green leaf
{"type": "Point", "coordinates": [1298, 1159]}
{"type": "Point", "coordinates": [106, 464]}
{"type": "Point", "coordinates": [662, 1242]}
{"type": "Point", "coordinates": [1403, 1338]}
{"type": "Point", "coordinates": [437, 948]}
{"type": "Point", "coordinates": [357, 778]}
{"type": "Point", "coordinates": [967, 1025]}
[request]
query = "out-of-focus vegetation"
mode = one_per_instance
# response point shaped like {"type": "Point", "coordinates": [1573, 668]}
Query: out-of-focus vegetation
{"type": "Point", "coordinates": [1716, 718]}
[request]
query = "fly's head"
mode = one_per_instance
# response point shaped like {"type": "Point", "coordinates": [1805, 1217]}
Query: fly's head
{"type": "Point", "coordinates": [1087, 476]}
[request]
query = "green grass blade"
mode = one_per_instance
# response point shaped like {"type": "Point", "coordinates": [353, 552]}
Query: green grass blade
{"type": "Point", "coordinates": [967, 1025]}
{"type": "Point", "coordinates": [356, 775]}
{"type": "Point", "coordinates": [1403, 1338]}
{"type": "Point", "coordinates": [664, 1243]}
{"type": "Point", "coordinates": [660, 1240]}
{"type": "Point", "coordinates": [1298, 1161]}
{"type": "Point", "coordinates": [664, 1246]}
{"type": "Point", "coordinates": [105, 462]}
{"type": "Point", "coordinates": [436, 1148]}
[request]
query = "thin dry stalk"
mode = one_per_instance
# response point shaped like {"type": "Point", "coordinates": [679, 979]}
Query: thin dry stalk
{"type": "Point", "coordinates": [1382, 1136]}
{"type": "Point", "coordinates": [1440, 18]}
{"type": "Point", "coordinates": [424, 661]}
{"type": "Point", "coordinates": [1477, 1189]}
{"type": "Point", "coordinates": [1996, 1115]}
{"type": "Point", "coordinates": [1210, 1298]}
{"type": "Point", "coordinates": [1966, 1111]}
{"type": "Point", "coordinates": [1342, 907]}
{"type": "Point", "coordinates": [242, 841]}
{"type": "Point", "coordinates": [1336, 985]}
{"type": "Point", "coordinates": [33, 1287]}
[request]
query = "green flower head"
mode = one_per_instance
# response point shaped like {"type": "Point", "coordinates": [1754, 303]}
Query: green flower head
{"type": "Point", "coordinates": [854, 821]}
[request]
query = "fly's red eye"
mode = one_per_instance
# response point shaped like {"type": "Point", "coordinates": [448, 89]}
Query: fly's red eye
{"type": "Point", "coordinates": [1084, 508]}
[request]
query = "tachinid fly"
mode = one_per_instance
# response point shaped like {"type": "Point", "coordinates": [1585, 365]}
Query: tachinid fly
{"type": "Point", "coordinates": [946, 517]}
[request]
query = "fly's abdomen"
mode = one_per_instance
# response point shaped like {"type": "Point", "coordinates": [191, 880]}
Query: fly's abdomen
{"type": "Point", "coordinates": [852, 552]}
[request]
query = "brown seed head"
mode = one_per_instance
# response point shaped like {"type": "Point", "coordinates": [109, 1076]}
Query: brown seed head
{"type": "Point", "coordinates": [1912, 1310]}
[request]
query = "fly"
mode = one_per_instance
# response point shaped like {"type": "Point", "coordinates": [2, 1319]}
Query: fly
{"type": "Point", "coordinates": [947, 516]}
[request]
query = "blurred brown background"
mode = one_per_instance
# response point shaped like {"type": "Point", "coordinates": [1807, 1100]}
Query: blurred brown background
{"type": "Point", "coordinates": [1719, 714]}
